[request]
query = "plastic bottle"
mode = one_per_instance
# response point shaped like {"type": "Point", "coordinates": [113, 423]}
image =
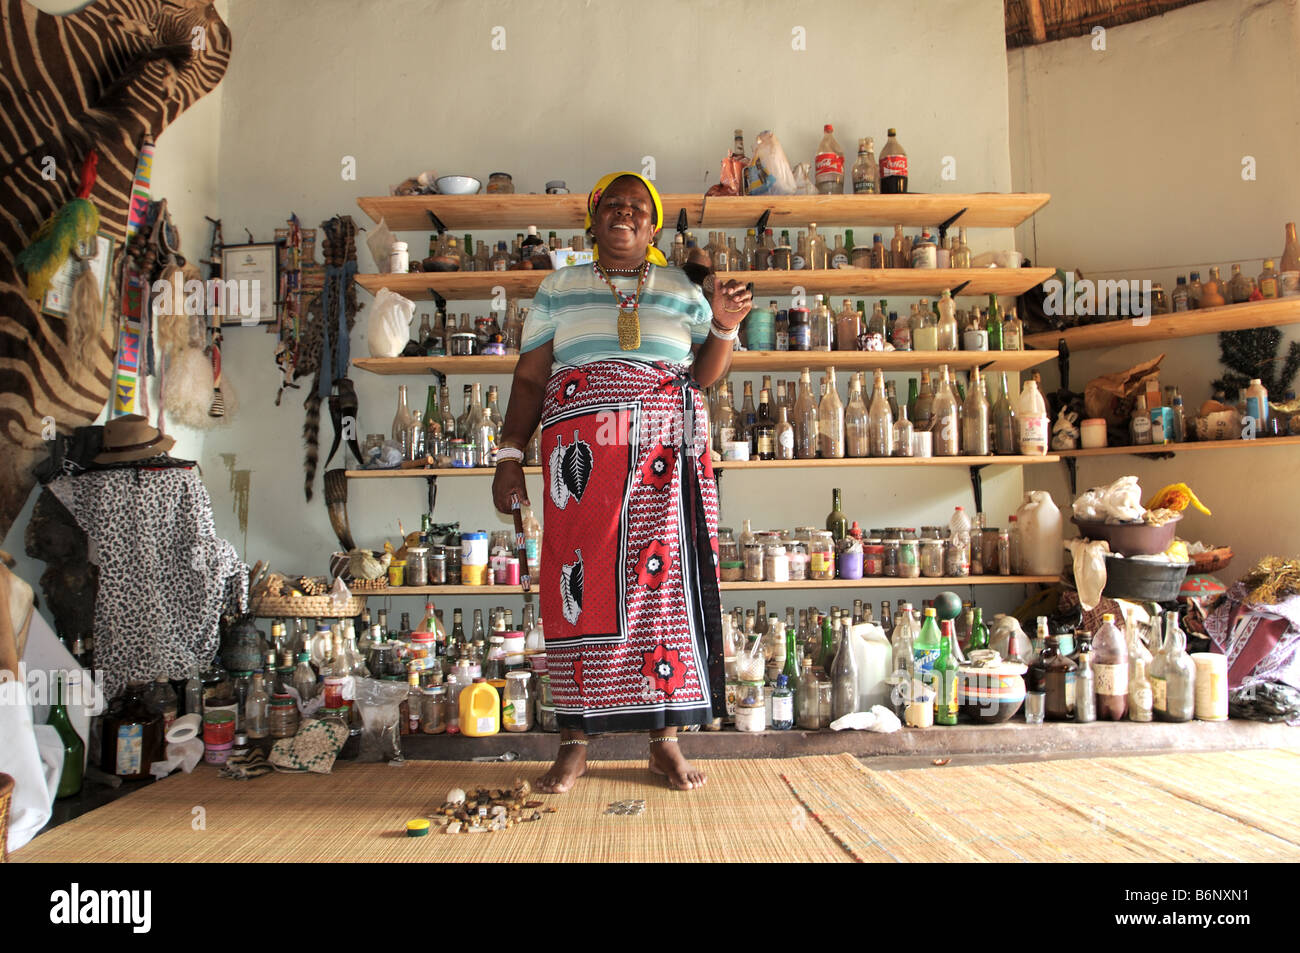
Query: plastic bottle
{"type": "Point", "coordinates": [480, 710]}
{"type": "Point", "coordinates": [829, 163]}
{"type": "Point", "coordinates": [959, 529]}
{"type": "Point", "coordinates": [893, 166]}
{"type": "Point", "coordinates": [1039, 526]}
{"type": "Point", "coordinates": [1257, 404]}
{"type": "Point", "coordinates": [1031, 418]}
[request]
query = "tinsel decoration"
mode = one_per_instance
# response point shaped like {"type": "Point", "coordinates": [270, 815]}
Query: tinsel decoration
{"type": "Point", "coordinates": [1253, 353]}
{"type": "Point", "coordinates": [1272, 580]}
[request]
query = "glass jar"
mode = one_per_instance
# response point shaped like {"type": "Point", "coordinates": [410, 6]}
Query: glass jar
{"type": "Point", "coordinates": [776, 564]}
{"type": "Point", "coordinates": [890, 562]}
{"type": "Point", "coordinates": [909, 558]}
{"type": "Point", "coordinates": [796, 551]}
{"type": "Point", "coordinates": [753, 556]}
{"type": "Point", "coordinates": [462, 452]}
{"type": "Point", "coordinates": [500, 183]}
{"type": "Point", "coordinates": [821, 555]}
{"type": "Point", "coordinates": [989, 550]}
{"type": "Point", "coordinates": [517, 710]}
{"type": "Point", "coordinates": [731, 567]}
{"type": "Point", "coordinates": [546, 719]}
{"type": "Point", "coordinates": [437, 567]}
{"type": "Point", "coordinates": [931, 557]}
{"type": "Point", "coordinates": [873, 557]}
{"type": "Point", "coordinates": [849, 559]}
{"type": "Point", "coordinates": [282, 717]}
{"type": "Point", "coordinates": [433, 710]}
{"type": "Point", "coordinates": [452, 554]}
{"type": "Point", "coordinates": [956, 557]}
{"type": "Point", "coordinates": [1004, 554]}
{"type": "Point", "coordinates": [417, 566]}
{"type": "Point", "coordinates": [751, 708]}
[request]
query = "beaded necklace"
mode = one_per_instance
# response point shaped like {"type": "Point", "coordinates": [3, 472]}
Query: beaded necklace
{"type": "Point", "coordinates": [629, 321]}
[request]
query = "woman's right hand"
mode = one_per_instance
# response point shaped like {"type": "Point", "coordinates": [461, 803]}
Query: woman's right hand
{"type": "Point", "coordinates": [507, 484]}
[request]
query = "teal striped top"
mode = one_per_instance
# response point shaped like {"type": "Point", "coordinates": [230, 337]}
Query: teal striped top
{"type": "Point", "coordinates": [575, 310]}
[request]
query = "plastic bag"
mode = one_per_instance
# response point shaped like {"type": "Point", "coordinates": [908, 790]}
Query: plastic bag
{"type": "Point", "coordinates": [1120, 502]}
{"type": "Point", "coordinates": [390, 324]}
{"type": "Point", "coordinates": [769, 172]}
{"type": "Point", "coordinates": [803, 184]}
{"type": "Point", "coordinates": [380, 705]}
{"type": "Point", "coordinates": [380, 243]}
{"type": "Point", "coordinates": [1089, 569]}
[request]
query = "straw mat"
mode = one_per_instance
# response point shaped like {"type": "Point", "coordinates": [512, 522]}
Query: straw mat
{"type": "Point", "coordinates": [745, 813]}
{"type": "Point", "coordinates": [1222, 806]}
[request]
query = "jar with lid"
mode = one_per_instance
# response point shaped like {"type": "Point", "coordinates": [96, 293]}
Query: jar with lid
{"type": "Point", "coordinates": [433, 710]}
{"type": "Point", "coordinates": [417, 566]}
{"type": "Point", "coordinates": [909, 558]}
{"type": "Point", "coordinates": [282, 717]}
{"type": "Point", "coordinates": [461, 452]}
{"type": "Point", "coordinates": [501, 183]}
{"type": "Point", "coordinates": [957, 556]}
{"type": "Point", "coordinates": [890, 562]}
{"type": "Point", "coordinates": [797, 557]}
{"type": "Point", "coordinates": [751, 708]}
{"type": "Point", "coordinates": [437, 566]}
{"type": "Point", "coordinates": [517, 708]}
{"type": "Point", "coordinates": [931, 557]}
{"type": "Point", "coordinates": [752, 553]}
{"type": "Point", "coordinates": [873, 557]}
{"type": "Point", "coordinates": [452, 554]}
{"type": "Point", "coordinates": [731, 566]}
{"type": "Point", "coordinates": [399, 258]}
{"type": "Point", "coordinates": [849, 559]}
{"type": "Point", "coordinates": [776, 564]}
{"type": "Point", "coordinates": [821, 555]}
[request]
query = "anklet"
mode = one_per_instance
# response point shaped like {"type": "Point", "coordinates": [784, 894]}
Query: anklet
{"type": "Point", "coordinates": [672, 738]}
{"type": "Point", "coordinates": [575, 741]}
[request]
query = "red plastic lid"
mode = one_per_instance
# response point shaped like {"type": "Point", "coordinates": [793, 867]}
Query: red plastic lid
{"type": "Point", "coordinates": [828, 128]}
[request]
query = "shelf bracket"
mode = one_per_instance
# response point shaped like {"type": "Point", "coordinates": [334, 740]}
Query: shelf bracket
{"type": "Point", "coordinates": [432, 482]}
{"type": "Point", "coordinates": [1063, 362]}
{"type": "Point", "coordinates": [977, 485]}
{"type": "Point", "coordinates": [437, 222]}
{"type": "Point", "coordinates": [442, 377]}
{"type": "Point", "coordinates": [704, 204]}
{"type": "Point", "coordinates": [1072, 468]}
{"type": "Point", "coordinates": [959, 289]}
{"type": "Point", "coordinates": [944, 226]}
{"type": "Point", "coordinates": [761, 225]}
{"type": "Point", "coordinates": [438, 299]}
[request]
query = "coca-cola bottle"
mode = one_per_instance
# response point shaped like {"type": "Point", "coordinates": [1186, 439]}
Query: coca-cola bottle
{"type": "Point", "coordinates": [893, 166]}
{"type": "Point", "coordinates": [829, 164]}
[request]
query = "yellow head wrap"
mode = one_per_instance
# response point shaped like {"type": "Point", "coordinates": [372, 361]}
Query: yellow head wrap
{"type": "Point", "coordinates": [653, 255]}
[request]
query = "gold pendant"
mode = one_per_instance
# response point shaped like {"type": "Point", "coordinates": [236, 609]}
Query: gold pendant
{"type": "Point", "coordinates": [629, 330]}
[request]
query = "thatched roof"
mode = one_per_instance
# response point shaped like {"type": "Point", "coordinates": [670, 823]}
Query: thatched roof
{"type": "Point", "coordinates": [1037, 21]}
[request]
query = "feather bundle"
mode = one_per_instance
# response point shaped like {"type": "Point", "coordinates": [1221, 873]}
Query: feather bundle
{"type": "Point", "coordinates": [76, 223]}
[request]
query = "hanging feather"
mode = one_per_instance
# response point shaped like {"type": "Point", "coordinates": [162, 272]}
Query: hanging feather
{"type": "Point", "coordinates": [77, 222]}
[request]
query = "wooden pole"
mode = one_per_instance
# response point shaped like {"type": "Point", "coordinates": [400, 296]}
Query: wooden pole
{"type": "Point", "coordinates": [1037, 28]}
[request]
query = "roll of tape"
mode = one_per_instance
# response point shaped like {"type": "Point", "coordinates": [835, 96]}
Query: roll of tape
{"type": "Point", "coordinates": [184, 728]}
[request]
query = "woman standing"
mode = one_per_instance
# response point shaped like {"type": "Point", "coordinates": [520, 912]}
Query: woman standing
{"type": "Point", "coordinates": [629, 584]}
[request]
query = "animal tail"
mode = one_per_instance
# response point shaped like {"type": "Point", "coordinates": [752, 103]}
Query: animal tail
{"type": "Point", "coordinates": [311, 437]}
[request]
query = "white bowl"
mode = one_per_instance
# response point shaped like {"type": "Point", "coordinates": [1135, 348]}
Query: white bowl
{"type": "Point", "coordinates": [458, 185]}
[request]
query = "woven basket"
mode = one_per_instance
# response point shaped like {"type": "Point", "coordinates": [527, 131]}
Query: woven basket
{"type": "Point", "coordinates": [6, 795]}
{"type": "Point", "coordinates": [304, 607]}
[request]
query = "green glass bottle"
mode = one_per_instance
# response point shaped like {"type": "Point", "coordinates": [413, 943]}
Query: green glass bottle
{"type": "Point", "coordinates": [837, 523]}
{"type": "Point", "coordinates": [925, 647]}
{"type": "Point", "coordinates": [945, 677]}
{"type": "Point", "coordinates": [791, 671]}
{"type": "Point", "coordinates": [74, 749]}
{"type": "Point", "coordinates": [994, 325]}
{"type": "Point", "coordinates": [979, 633]}
{"type": "Point", "coordinates": [828, 644]}
{"type": "Point", "coordinates": [912, 394]}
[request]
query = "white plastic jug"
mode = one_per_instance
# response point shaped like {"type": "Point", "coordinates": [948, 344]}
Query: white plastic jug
{"type": "Point", "coordinates": [873, 654]}
{"type": "Point", "coordinates": [1041, 547]}
{"type": "Point", "coordinates": [1031, 418]}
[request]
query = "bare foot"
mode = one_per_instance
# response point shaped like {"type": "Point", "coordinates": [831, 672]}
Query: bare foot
{"type": "Point", "coordinates": [570, 764]}
{"type": "Point", "coordinates": [666, 759]}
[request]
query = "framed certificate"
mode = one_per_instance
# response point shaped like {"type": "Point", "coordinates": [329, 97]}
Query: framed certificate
{"type": "Point", "coordinates": [249, 284]}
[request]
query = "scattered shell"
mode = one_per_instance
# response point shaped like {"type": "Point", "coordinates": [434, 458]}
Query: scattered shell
{"type": "Point", "coordinates": [522, 787]}
{"type": "Point", "coordinates": [548, 810]}
{"type": "Point", "coordinates": [456, 796]}
{"type": "Point", "coordinates": [534, 804]}
{"type": "Point", "coordinates": [498, 811]}
{"type": "Point", "coordinates": [453, 827]}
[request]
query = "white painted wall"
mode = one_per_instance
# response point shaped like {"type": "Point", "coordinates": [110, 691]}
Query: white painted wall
{"type": "Point", "coordinates": [1141, 146]}
{"type": "Point", "coordinates": [580, 89]}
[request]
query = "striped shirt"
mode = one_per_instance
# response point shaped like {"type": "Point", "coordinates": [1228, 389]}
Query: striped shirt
{"type": "Point", "coordinates": [576, 310]}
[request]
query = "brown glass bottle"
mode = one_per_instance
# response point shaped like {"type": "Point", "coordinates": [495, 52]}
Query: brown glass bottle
{"type": "Point", "coordinates": [1110, 670]}
{"type": "Point", "coordinates": [132, 736]}
{"type": "Point", "coordinates": [1060, 679]}
{"type": "Point", "coordinates": [763, 434]}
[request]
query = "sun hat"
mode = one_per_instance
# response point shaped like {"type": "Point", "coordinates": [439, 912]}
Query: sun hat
{"type": "Point", "coordinates": [132, 437]}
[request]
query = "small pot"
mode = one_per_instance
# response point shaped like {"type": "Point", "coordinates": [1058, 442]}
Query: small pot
{"type": "Point", "coordinates": [990, 694]}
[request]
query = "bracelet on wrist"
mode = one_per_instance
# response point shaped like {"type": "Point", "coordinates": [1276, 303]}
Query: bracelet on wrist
{"type": "Point", "coordinates": [726, 334]}
{"type": "Point", "coordinates": [509, 453]}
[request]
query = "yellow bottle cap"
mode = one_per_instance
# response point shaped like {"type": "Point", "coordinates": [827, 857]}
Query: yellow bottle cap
{"type": "Point", "coordinates": [417, 828]}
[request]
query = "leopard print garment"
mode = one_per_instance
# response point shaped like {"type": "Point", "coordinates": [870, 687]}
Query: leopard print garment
{"type": "Point", "coordinates": [164, 575]}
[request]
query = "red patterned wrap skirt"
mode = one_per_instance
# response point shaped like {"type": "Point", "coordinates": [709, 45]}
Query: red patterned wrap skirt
{"type": "Point", "coordinates": [629, 587]}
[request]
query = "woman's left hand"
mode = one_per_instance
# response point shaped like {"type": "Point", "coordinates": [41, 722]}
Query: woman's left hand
{"type": "Point", "coordinates": [731, 301]}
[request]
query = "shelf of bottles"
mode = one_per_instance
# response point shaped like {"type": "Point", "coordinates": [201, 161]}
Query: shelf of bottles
{"type": "Point", "coordinates": [743, 362]}
{"type": "Point", "coordinates": [459, 212]}
{"type": "Point", "coordinates": [873, 582]}
{"type": "Point", "coordinates": [1153, 449]}
{"type": "Point", "coordinates": [1166, 327]}
{"type": "Point", "coordinates": [425, 472]}
{"type": "Point", "coordinates": [1009, 282]}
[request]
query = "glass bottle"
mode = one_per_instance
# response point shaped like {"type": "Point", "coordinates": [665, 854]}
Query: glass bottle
{"type": "Point", "coordinates": [856, 440]}
{"type": "Point", "coordinates": [1268, 283]}
{"type": "Point", "coordinates": [848, 325]}
{"type": "Point", "coordinates": [1013, 332]}
{"type": "Point", "coordinates": [844, 679]}
{"type": "Point", "coordinates": [402, 422]}
{"type": "Point", "coordinates": [836, 522]}
{"type": "Point", "coordinates": [131, 735]}
{"type": "Point", "coordinates": [74, 749]}
{"type": "Point", "coordinates": [879, 252]}
{"type": "Point", "coordinates": [903, 431]}
{"type": "Point", "coordinates": [838, 256]}
{"type": "Point", "coordinates": [1005, 428]}
{"type": "Point", "coordinates": [979, 632]}
{"type": "Point", "coordinates": [481, 430]}
{"type": "Point", "coordinates": [806, 434]}
{"type": "Point", "coordinates": [1111, 670]}
{"type": "Point", "coordinates": [877, 325]}
{"type": "Point", "coordinates": [880, 421]}
{"type": "Point", "coordinates": [865, 172]}
{"type": "Point", "coordinates": [304, 679]}
{"type": "Point", "coordinates": [947, 330]}
{"type": "Point", "coordinates": [1290, 249]}
{"type": "Point", "coordinates": [830, 420]}
{"type": "Point", "coordinates": [747, 416]}
{"type": "Point", "coordinates": [194, 692]}
{"type": "Point", "coordinates": [994, 324]}
{"type": "Point", "coordinates": [1139, 693]}
{"type": "Point", "coordinates": [784, 434]}
{"type": "Point", "coordinates": [256, 708]}
{"type": "Point", "coordinates": [975, 418]}
{"type": "Point", "coordinates": [1179, 674]}
{"type": "Point", "coordinates": [946, 676]}
{"type": "Point", "coordinates": [1061, 673]}
{"type": "Point", "coordinates": [763, 433]}
{"type": "Point", "coordinates": [815, 250]}
{"type": "Point", "coordinates": [725, 422]}
{"type": "Point", "coordinates": [960, 251]}
{"type": "Point", "coordinates": [1214, 291]}
{"type": "Point", "coordinates": [925, 646]}
{"type": "Point", "coordinates": [1085, 685]}
{"type": "Point", "coordinates": [1238, 286]}
{"type": "Point", "coordinates": [946, 421]}
{"type": "Point", "coordinates": [925, 332]}
{"type": "Point", "coordinates": [897, 259]}
{"type": "Point", "coordinates": [782, 705]}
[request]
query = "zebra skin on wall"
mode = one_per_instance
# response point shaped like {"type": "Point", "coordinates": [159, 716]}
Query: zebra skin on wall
{"type": "Point", "coordinates": [104, 77]}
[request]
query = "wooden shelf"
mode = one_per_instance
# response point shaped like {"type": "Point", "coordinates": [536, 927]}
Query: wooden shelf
{"type": "Point", "coordinates": [874, 582]}
{"type": "Point", "coordinates": [850, 282]}
{"type": "Point", "coordinates": [1153, 450]}
{"type": "Point", "coordinates": [961, 461]}
{"type": "Point", "coordinates": [467, 212]}
{"type": "Point", "coordinates": [1166, 327]}
{"type": "Point", "coordinates": [748, 362]}
{"type": "Point", "coordinates": [428, 472]}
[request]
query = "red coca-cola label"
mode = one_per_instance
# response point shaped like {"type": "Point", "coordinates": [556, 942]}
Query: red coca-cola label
{"type": "Point", "coordinates": [893, 165]}
{"type": "Point", "coordinates": [832, 163]}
